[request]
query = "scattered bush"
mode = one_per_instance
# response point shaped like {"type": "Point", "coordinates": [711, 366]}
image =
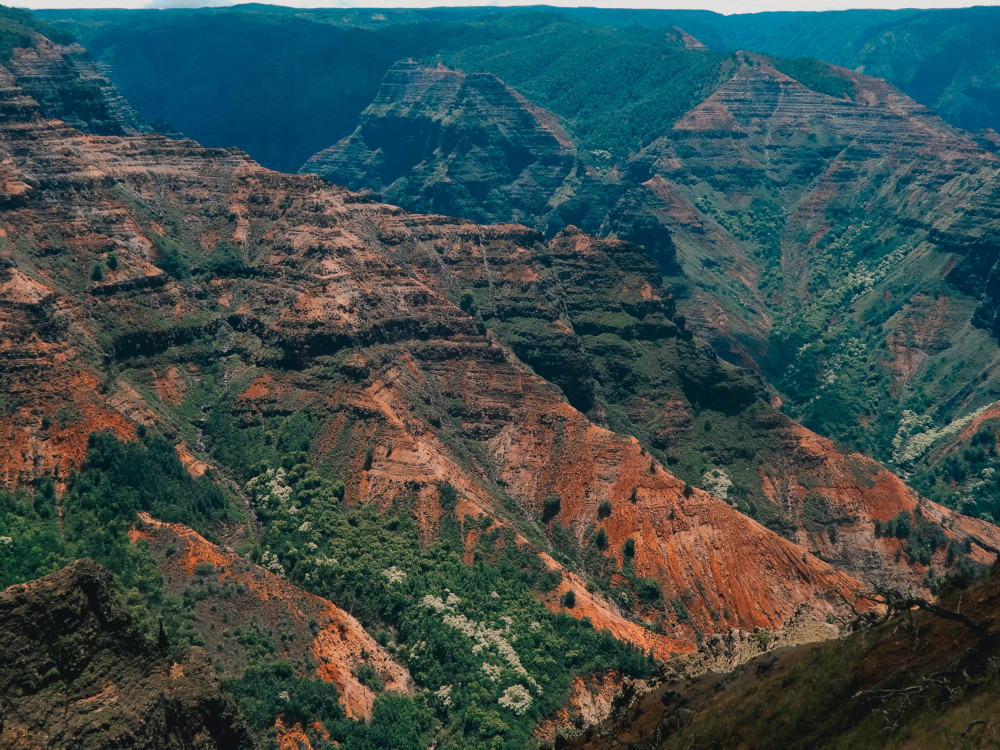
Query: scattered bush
{"type": "Point", "coordinates": [601, 538]}
{"type": "Point", "coordinates": [648, 590]}
{"type": "Point", "coordinates": [550, 507]}
{"type": "Point", "coordinates": [204, 569]}
{"type": "Point", "coordinates": [368, 677]}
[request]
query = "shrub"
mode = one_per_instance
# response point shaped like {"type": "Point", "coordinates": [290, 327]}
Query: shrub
{"type": "Point", "coordinates": [368, 677]}
{"type": "Point", "coordinates": [170, 257]}
{"type": "Point", "coordinates": [604, 509]}
{"type": "Point", "coordinates": [204, 569]}
{"type": "Point", "coordinates": [468, 301]}
{"type": "Point", "coordinates": [601, 538]}
{"type": "Point", "coordinates": [899, 527]}
{"type": "Point", "coordinates": [225, 260]}
{"type": "Point", "coordinates": [569, 599]}
{"type": "Point", "coordinates": [267, 691]}
{"type": "Point", "coordinates": [550, 507]}
{"type": "Point", "coordinates": [680, 610]}
{"type": "Point", "coordinates": [97, 273]}
{"type": "Point", "coordinates": [628, 549]}
{"type": "Point", "coordinates": [448, 496]}
{"type": "Point", "coordinates": [648, 590]}
{"type": "Point", "coordinates": [902, 525]}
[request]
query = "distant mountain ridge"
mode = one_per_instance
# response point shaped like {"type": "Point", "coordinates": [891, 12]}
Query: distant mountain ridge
{"type": "Point", "coordinates": [941, 58]}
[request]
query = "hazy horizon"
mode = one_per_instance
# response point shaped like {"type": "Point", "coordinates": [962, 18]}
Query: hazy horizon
{"type": "Point", "coordinates": [727, 7]}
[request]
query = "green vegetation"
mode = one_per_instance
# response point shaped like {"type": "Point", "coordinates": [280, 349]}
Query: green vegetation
{"type": "Point", "coordinates": [225, 260]}
{"type": "Point", "coordinates": [628, 548]}
{"type": "Point", "coordinates": [171, 257]}
{"type": "Point", "coordinates": [433, 609]}
{"type": "Point", "coordinates": [638, 81]}
{"type": "Point", "coordinates": [967, 478]}
{"type": "Point", "coordinates": [264, 692]}
{"type": "Point", "coordinates": [601, 538]}
{"type": "Point", "coordinates": [432, 615]}
{"type": "Point", "coordinates": [550, 507]}
{"type": "Point", "coordinates": [117, 481]}
{"type": "Point", "coordinates": [918, 681]}
{"type": "Point", "coordinates": [817, 75]}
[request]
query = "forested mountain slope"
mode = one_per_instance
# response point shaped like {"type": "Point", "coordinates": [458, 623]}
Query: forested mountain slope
{"type": "Point", "coordinates": [945, 58]}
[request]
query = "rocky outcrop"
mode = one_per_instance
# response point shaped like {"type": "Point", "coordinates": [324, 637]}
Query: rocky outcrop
{"type": "Point", "coordinates": [592, 698]}
{"type": "Point", "coordinates": [77, 673]}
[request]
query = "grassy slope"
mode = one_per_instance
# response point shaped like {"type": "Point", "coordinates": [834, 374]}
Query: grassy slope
{"type": "Point", "coordinates": [918, 681]}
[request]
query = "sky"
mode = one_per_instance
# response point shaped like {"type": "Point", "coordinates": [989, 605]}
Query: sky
{"type": "Point", "coordinates": [720, 6]}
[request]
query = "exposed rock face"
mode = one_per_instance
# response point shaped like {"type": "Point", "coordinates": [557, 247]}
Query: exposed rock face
{"type": "Point", "coordinates": [321, 633]}
{"type": "Point", "coordinates": [322, 301]}
{"type": "Point", "coordinates": [592, 316]}
{"type": "Point", "coordinates": [592, 698]}
{"type": "Point", "coordinates": [843, 198]}
{"type": "Point", "coordinates": [77, 673]}
{"type": "Point", "coordinates": [441, 141]}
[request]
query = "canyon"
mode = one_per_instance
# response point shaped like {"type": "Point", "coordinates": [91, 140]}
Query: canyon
{"type": "Point", "coordinates": [391, 446]}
